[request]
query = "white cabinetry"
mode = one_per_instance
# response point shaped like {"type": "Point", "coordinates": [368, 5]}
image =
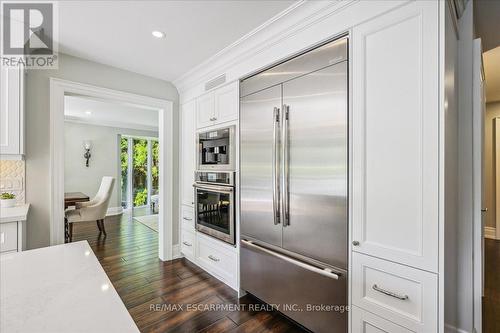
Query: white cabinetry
{"type": "Point", "coordinates": [11, 112]}
{"type": "Point", "coordinates": [13, 228]}
{"type": "Point", "coordinates": [205, 110]}
{"type": "Point", "coordinates": [366, 322]}
{"type": "Point", "coordinates": [402, 294]}
{"type": "Point", "coordinates": [395, 136]}
{"type": "Point", "coordinates": [218, 106]}
{"type": "Point", "coordinates": [188, 151]}
{"type": "Point", "coordinates": [395, 168]}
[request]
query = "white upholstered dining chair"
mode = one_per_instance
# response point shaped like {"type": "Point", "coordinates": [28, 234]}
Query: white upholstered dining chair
{"type": "Point", "coordinates": [93, 210]}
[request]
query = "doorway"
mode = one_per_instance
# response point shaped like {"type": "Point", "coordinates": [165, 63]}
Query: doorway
{"type": "Point", "coordinates": [488, 213]}
{"type": "Point", "coordinates": [61, 88]}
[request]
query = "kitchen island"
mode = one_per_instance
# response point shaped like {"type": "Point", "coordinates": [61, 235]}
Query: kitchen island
{"type": "Point", "coordinates": [61, 288]}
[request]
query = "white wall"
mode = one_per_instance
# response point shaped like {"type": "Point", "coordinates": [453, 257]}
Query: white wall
{"type": "Point", "coordinates": [37, 130]}
{"type": "Point", "coordinates": [492, 112]}
{"type": "Point", "coordinates": [105, 160]}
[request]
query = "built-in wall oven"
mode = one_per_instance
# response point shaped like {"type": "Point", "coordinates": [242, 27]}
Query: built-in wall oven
{"type": "Point", "coordinates": [214, 196]}
{"type": "Point", "coordinates": [216, 149]}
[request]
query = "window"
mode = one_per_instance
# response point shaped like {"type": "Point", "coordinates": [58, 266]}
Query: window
{"type": "Point", "coordinates": [139, 170]}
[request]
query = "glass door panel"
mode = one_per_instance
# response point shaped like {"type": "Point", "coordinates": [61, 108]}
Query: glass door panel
{"type": "Point", "coordinates": [140, 172]}
{"type": "Point", "coordinates": [155, 161]}
{"type": "Point", "coordinates": [124, 171]}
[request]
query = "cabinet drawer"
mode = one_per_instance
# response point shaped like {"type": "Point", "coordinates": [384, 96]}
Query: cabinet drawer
{"type": "Point", "coordinates": [8, 237]}
{"type": "Point", "coordinates": [187, 243]}
{"type": "Point", "coordinates": [366, 322]}
{"type": "Point", "coordinates": [401, 294]}
{"type": "Point", "coordinates": [217, 260]}
{"type": "Point", "coordinates": [187, 218]}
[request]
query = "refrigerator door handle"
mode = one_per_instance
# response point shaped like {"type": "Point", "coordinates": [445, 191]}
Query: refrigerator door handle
{"type": "Point", "coordinates": [275, 166]}
{"type": "Point", "coordinates": [285, 165]}
{"type": "Point", "coordinates": [325, 271]}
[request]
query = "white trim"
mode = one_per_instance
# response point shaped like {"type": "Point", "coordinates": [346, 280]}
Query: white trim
{"type": "Point", "coordinates": [112, 211]}
{"type": "Point", "coordinates": [490, 232]}
{"type": "Point", "coordinates": [176, 251]}
{"type": "Point", "coordinates": [452, 329]}
{"type": "Point", "coordinates": [12, 157]}
{"type": "Point", "coordinates": [299, 27]}
{"type": "Point", "coordinates": [58, 88]}
{"type": "Point", "coordinates": [478, 110]}
{"type": "Point", "coordinates": [115, 124]}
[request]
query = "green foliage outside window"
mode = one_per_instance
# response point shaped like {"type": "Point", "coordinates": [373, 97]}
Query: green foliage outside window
{"type": "Point", "coordinates": [140, 169]}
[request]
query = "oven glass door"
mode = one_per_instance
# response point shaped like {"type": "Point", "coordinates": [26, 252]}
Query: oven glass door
{"type": "Point", "coordinates": [215, 211]}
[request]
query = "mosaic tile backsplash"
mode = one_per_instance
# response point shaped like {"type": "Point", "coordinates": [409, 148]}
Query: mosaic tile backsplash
{"type": "Point", "coordinates": [12, 176]}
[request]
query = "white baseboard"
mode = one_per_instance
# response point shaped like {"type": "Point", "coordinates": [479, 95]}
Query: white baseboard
{"type": "Point", "coordinates": [176, 251]}
{"type": "Point", "coordinates": [452, 329]}
{"type": "Point", "coordinates": [490, 232]}
{"type": "Point", "coordinates": [112, 211]}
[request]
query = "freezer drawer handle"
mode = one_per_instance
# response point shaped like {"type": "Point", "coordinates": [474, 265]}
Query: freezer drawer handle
{"type": "Point", "coordinates": [187, 219]}
{"type": "Point", "coordinates": [390, 293]}
{"type": "Point", "coordinates": [187, 244]}
{"type": "Point", "coordinates": [325, 272]}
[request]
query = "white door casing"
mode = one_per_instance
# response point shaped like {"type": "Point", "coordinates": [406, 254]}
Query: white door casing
{"type": "Point", "coordinates": [478, 180]}
{"type": "Point", "coordinates": [58, 88]}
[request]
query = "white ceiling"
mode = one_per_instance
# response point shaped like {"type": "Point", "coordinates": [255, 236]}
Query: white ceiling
{"type": "Point", "coordinates": [492, 73]}
{"type": "Point", "coordinates": [105, 113]}
{"type": "Point", "coordinates": [118, 33]}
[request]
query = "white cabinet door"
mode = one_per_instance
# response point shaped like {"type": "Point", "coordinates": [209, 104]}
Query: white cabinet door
{"type": "Point", "coordinates": [365, 322]}
{"type": "Point", "coordinates": [395, 136]}
{"type": "Point", "coordinates": [205, 110]}
{"type": "Point", "coordinates": [11, 112]}
{"type": "Point", "coordinates": [227, 103]}
{"type": "Point", "coordinates": [188, 151]}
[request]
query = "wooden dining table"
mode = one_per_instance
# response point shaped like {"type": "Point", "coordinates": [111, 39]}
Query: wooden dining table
{"type": "Point", "coordinates": [71, 198]}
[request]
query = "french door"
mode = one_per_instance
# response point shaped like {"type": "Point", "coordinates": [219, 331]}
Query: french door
{"type": "Point", "coordinates": [139, 170]}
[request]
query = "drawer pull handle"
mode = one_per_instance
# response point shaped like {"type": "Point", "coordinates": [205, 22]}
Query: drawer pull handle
{"type": "Point", "coordinates": [211, 257]}
{"type": "Point", "coordinates": [187, 219]}
{"type": "Point", "coordinates": [187, 244]}
{"type": "Point", "coordinates": [390, 293]}
{"type": "Point", "coordinates": [2, 237]}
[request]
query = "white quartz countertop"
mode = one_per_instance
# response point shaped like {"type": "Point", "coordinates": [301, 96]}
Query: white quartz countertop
{"type": "Point", "coordinates": [16, 213]}
{"type": "Point", "coordinates": [60, 288]}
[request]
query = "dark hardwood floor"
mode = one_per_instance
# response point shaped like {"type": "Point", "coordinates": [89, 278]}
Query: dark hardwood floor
{"type": "Point", "coordinates": [154, 291]}
{"type": "Point", "coordinates": [491, 300]}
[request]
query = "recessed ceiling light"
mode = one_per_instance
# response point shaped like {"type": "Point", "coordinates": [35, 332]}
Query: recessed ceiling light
{"type": "Point", "coordinates": [158, 34]}
{"type": "Point", "coordinates": [88, 112]}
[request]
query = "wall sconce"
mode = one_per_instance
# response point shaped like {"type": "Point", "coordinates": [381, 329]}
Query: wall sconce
{"type": "Point", "coordinates": [87, 145]}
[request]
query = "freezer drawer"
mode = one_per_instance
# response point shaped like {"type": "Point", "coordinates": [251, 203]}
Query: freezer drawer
{"type": "Point", "coordinates": [318, 301]}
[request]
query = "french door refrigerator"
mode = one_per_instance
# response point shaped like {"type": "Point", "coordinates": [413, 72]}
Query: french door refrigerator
{"type": "Point", "coordinates": [294, 186]}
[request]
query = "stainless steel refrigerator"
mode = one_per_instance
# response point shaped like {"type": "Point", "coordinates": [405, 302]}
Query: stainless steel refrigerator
{"type": "Point", "coordinates": [294, 186]}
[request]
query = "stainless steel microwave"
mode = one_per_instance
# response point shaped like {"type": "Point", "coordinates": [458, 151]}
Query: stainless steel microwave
{"type": "Point", "coordinates": [216, 149]}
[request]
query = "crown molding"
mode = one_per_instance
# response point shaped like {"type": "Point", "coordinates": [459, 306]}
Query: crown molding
{"type": "Point", "coordinates": [289, 22]}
